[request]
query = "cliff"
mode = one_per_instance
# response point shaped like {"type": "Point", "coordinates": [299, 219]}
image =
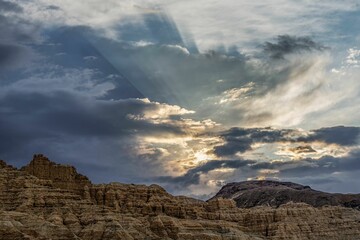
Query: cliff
{"type": "Point", "coordinates": [37, 203]}
{"type": "Point", "coordinates": [61, 176]}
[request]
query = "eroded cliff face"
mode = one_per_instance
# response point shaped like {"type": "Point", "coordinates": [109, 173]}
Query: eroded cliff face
{"type": "Point", "coordinates": [37, 203]}
{"type": "Point", "coordinates": [62, 176]}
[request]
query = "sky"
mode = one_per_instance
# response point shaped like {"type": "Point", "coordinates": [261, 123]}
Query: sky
{"type": "Point", "coordinates": [190, 95]}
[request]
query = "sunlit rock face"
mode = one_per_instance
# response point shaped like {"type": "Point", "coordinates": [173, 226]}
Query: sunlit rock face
{"type": "Point", "coordinates": [35, 204]}
{"type": "Point", "coordinates": [272, 193]}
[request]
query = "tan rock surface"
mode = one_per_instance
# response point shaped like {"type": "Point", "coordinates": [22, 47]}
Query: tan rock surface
{"type": "Point", "coordinates": [45, 200]}
{"type": "Point", "coordinates": [62, 176]}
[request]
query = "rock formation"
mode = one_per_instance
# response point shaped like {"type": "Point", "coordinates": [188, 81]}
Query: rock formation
{"type": "Point", "coordinates": [272, 193]}
{"type": "Point", "coordinates": [45, 200]}
{"type": "Point", "coordinates": [62, 176]}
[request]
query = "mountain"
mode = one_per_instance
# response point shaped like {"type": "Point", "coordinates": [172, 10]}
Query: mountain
{"type": "Point", "coordinates": [45, 200]}
{"type": "Point", "coordinates": [273, 193]}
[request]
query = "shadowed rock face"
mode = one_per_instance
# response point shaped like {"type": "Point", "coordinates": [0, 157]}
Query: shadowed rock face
{"type": "Point", "coordinates": [45, 200]}
{"type": "Point", "coordinates": [272, 193]}
{"type": "Point", "coordinates": [62, 176]}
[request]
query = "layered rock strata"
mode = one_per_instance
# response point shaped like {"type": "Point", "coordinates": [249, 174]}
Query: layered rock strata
{"type": "Point", "coordinates": [37, 204]}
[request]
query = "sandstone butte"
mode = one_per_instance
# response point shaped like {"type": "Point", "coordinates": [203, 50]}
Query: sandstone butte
{"type": "Point", "coordinates": [45, 200]}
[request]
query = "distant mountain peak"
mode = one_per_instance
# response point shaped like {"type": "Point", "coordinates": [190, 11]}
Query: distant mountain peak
{"type": "Point", "coordinates": [249, 194]}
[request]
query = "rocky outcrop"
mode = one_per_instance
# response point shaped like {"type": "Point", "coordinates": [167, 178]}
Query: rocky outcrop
{"type": "Point", "coordinates": [272, 193]}
{"type": "Point", "coordinates": [62, 176]}
{"type": "Point", "coordinates": [42, 207]}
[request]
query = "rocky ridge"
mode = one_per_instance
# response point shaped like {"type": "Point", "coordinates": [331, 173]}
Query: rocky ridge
{"type": "Point", "coordinates": [39, 202]}
{"type": "Point", "coordinates": [273, 193]}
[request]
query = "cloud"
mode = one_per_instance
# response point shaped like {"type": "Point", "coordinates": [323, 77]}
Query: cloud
{"type": "Point", "coordinates": [162, 69]}
{"type": "Point", "coordinates": [16, 32]}
{"type": "Point", "coordinates": [326, 168]}
{"type": "Point", "coordinates": [172, 90]}
{"type": "Point", "coordinates": [6, 6]}
{"type": "Point", "coordinates": [302, 81]}
{"type": "Point", "coordinates": [68, 71]}
{"type": "Point", "coordinates": [248, 22]}
{"type": "Point", "coordinates": [323, 166]}
{"type": "Point", "coordinates": [303, 149]}
{"type": "Point", "coordinates": [341, 135]}
{"type": "Point", "coordinates": [74, 112]}
{"type": "Point", "coordinates": [82, 81]}
{"type": "Point", "coordinates": [71, 114]}
{"type": "Point", "coordinates": [12, 55]}
{"type": "Point", "coordinates": [243, 23]}
{"type": "Point", "coordinates": [192, 177]}
{"type": "Point", "coordinates": [288, 44]}
{"type": "Point", "coordinates": [353, 59]}
{"type": "Point", "coordinates": [240, 140]}
{"type": "Point", "coordinates": [308, 153]}
{"type": "Point", "coordinates": [166, 74]}
{"type": "Point", "coordinates": [136, 133]}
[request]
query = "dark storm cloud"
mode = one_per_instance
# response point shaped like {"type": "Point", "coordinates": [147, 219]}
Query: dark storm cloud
{"type": "Point", "coordinates": [76, 47]}
{"type": "Point", "coordinates": [83, 131]}
{"type": "Point", "coordinates": [11, 53]}
{"type": "Point", "coordinates": [291, 44]}
{"type": "Point", "coordinates": [15, 33]}
{"type": "Point", "coordinates": [308, 167]}
{"type": "Point", "coordinates": [240, 140]}
{"type": "Point", "coordinates": [65, 113]}
{"type": "Point", "coordinates": [315, 167]}
{"type": "Point", "coordinates": [16, 30]}
{"type": "Point", "coordinates": [345, 136]}
{"type": "Point", "coordinates": [13, 56]}
{"type": "Point", "coordinates": [192, 176]}
{"type": "Point", "coordinates": [302, 149]}
{"type": "Point", "coordinates": [53, 7]}
{"type": "Point", "coordinates": [6, 6]}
